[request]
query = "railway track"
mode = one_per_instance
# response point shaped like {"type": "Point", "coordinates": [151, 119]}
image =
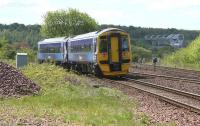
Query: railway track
{"type": "Point", "coordinates": [180, 98]}
{"type": "Point", "coordinates": [196, 81]}
{"type": "Point", "coordinates": [168, 68]}
{"type": "Point", "coordinates": [175, 68]}
{"type": "Point", "coordinates": [184, 73]}
{"type": "Point", "coordinates": [158, 67]}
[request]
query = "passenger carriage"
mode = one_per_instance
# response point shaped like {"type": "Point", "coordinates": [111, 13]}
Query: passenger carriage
{"type": "Point", "coordinates": [106, 52]}
{"type": "Point", "coordinates": [52, 49]}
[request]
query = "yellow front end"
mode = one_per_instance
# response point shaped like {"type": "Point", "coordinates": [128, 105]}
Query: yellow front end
{"type": "Point", "coordinates": [114, 53]}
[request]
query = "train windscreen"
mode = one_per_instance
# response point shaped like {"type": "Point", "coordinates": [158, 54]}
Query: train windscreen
{"type": "Point", "coordinates": [103, 47]}
{"type": "Point", "coordinates": [124, 41]}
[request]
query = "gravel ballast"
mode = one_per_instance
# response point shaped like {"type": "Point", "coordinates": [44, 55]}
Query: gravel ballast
{"type": "Point", "coordinates": [166, 72]}
{"type": "Point", "coordinates": [158, 110]}
{"type": "Point", "coordinates": [14, 83]}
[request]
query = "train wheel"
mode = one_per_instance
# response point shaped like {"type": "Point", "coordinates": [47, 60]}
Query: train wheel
{"type": "Point", "coordinates": [66, 66]}
{"type": "Point", "coordinates": [98, 72]}
{"type": "Point", "coordinates": [40, 61]}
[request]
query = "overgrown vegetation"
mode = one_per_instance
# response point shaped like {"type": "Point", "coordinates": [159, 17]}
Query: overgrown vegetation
{"type": "Point", "coordinates": [162, 52]}
{"type": "Point", "coordinates": [69, 101]}
{"type": "Point", "coordinates": [8, 51]}
{"type": "Point", "coordinates": [186, 57]}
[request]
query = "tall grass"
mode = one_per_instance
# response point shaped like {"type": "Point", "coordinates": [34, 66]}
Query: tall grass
{"type": "Point", "coordinates": [9, 61]}
{"type": "Point", "coordinates": [70, 101]}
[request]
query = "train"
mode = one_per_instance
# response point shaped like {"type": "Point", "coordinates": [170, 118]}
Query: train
{"type": "Point", "coordinates": [105, 52]}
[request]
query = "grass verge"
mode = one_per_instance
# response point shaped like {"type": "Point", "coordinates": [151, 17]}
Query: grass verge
{"type": "Point", "coordinates": [67, 99]}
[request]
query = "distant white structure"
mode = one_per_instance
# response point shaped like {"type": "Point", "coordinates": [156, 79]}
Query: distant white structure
{"type": "Point", "coordinates": [174, 40]}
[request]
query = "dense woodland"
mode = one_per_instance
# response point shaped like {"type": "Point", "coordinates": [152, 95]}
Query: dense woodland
{"type": "Point", "coordinates": [30, 34]}
{"type": "Point", "coordinates": [20, 35]}
{"type": "Point", "coordinates": [137, 33]}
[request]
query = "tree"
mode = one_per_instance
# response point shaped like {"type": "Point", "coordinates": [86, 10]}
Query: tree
{"type": "Point", "coordinates": [66, 23]}
{"type": "Point", "coordinates": [16, 33]}
{"type": "Point", "coordinates": [3, 42]}
{"type": "Point", "coordinates": [140, 52]}
{"type": "Point", "coordinates": [3, 47]}
{"type": "Point", "coordinates": [6, 51]}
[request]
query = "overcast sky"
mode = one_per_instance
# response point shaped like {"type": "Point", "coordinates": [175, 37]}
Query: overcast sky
{"type": "Point", "coordinates": [181, 14]}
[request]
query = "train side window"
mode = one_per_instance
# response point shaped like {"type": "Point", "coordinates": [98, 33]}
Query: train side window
{"type": "Point", "coordinates": [125, 46]}
{"type": "Point", "coordinates": [103, 47]}
{"type": "Point", "coordinates": [42, 48]}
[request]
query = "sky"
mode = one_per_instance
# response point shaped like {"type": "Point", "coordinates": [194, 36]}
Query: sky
{"type": "Point", "coordinates": [180, 14]}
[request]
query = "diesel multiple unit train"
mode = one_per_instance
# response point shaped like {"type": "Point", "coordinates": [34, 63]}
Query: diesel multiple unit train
{"type": "Point", "coordinates": [106, 52]}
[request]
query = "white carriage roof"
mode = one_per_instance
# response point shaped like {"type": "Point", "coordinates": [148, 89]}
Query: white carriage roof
{"type": "Point", "coordinates": [87, 35]}
{"type": "Point", "coordinates": [110, 29]}
{"type": "Point", "coordinates": [95, 33]}
{"type": "Point", "coordinates": [54, 40]}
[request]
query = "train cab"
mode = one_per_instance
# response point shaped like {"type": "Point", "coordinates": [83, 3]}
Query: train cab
{"type": "Point", "coordinates": [114, 52]}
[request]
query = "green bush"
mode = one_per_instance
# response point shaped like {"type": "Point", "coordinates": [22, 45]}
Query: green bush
{"type": "Point", "coordinates": [140, 52]}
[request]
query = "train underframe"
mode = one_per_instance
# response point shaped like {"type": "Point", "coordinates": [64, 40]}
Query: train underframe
{"type": "Point", "coordinates": [85, 68]}
{"type": "Point", "coordinates": [92, 68]}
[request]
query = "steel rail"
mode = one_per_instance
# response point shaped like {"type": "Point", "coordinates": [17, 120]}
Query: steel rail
{"type": "Point", "coordinates": [196, 81]}
{"type": "Point", "coordinates": [170, 68]}
{"type": "Point", "coordinates": [172, 90]}
{"type": "Point", "coordinates": [164, 98]}
{"type": "Point", "coordinates": [169, 100]}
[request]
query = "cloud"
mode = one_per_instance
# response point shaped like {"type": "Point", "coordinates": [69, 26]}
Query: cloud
{"type": "Point", "coordinates": [193, 14]}
{"type": "Point", "coordinates": [22, 3]}
{"type": "Point", "coordinates": [172, 4]}
{"type": "Point", "coordinates": [25, 11]}
{"type": "Point", "coordinates": [3, 3]}
{"type": "Point", "coordinates": [107, 16]}
{"type": "Point", "coordinates": [148, 13]}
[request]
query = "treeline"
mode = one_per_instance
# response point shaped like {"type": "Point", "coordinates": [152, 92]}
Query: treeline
{"type": "Point", "coordinates": [30, 34]}
{"type": "Point", "coordinates": [137, 33]}
{"type": "Point", "coordinates": [20, 33]}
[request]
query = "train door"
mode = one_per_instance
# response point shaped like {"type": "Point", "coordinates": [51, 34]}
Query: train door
{"type": "Point", "coordinates": [115, 53]}
{"type": "Point", "coordinates": [65, 51]}
{"type": "Point", "coordinates": [114, 50]}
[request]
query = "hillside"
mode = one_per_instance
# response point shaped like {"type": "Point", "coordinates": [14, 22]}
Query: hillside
{"type": "Point", "coordinates": [186, 57]}
{"type": "Point", "coordinates": [137, 33]}
{"type": "Point", "coordinates": [30, 34]}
